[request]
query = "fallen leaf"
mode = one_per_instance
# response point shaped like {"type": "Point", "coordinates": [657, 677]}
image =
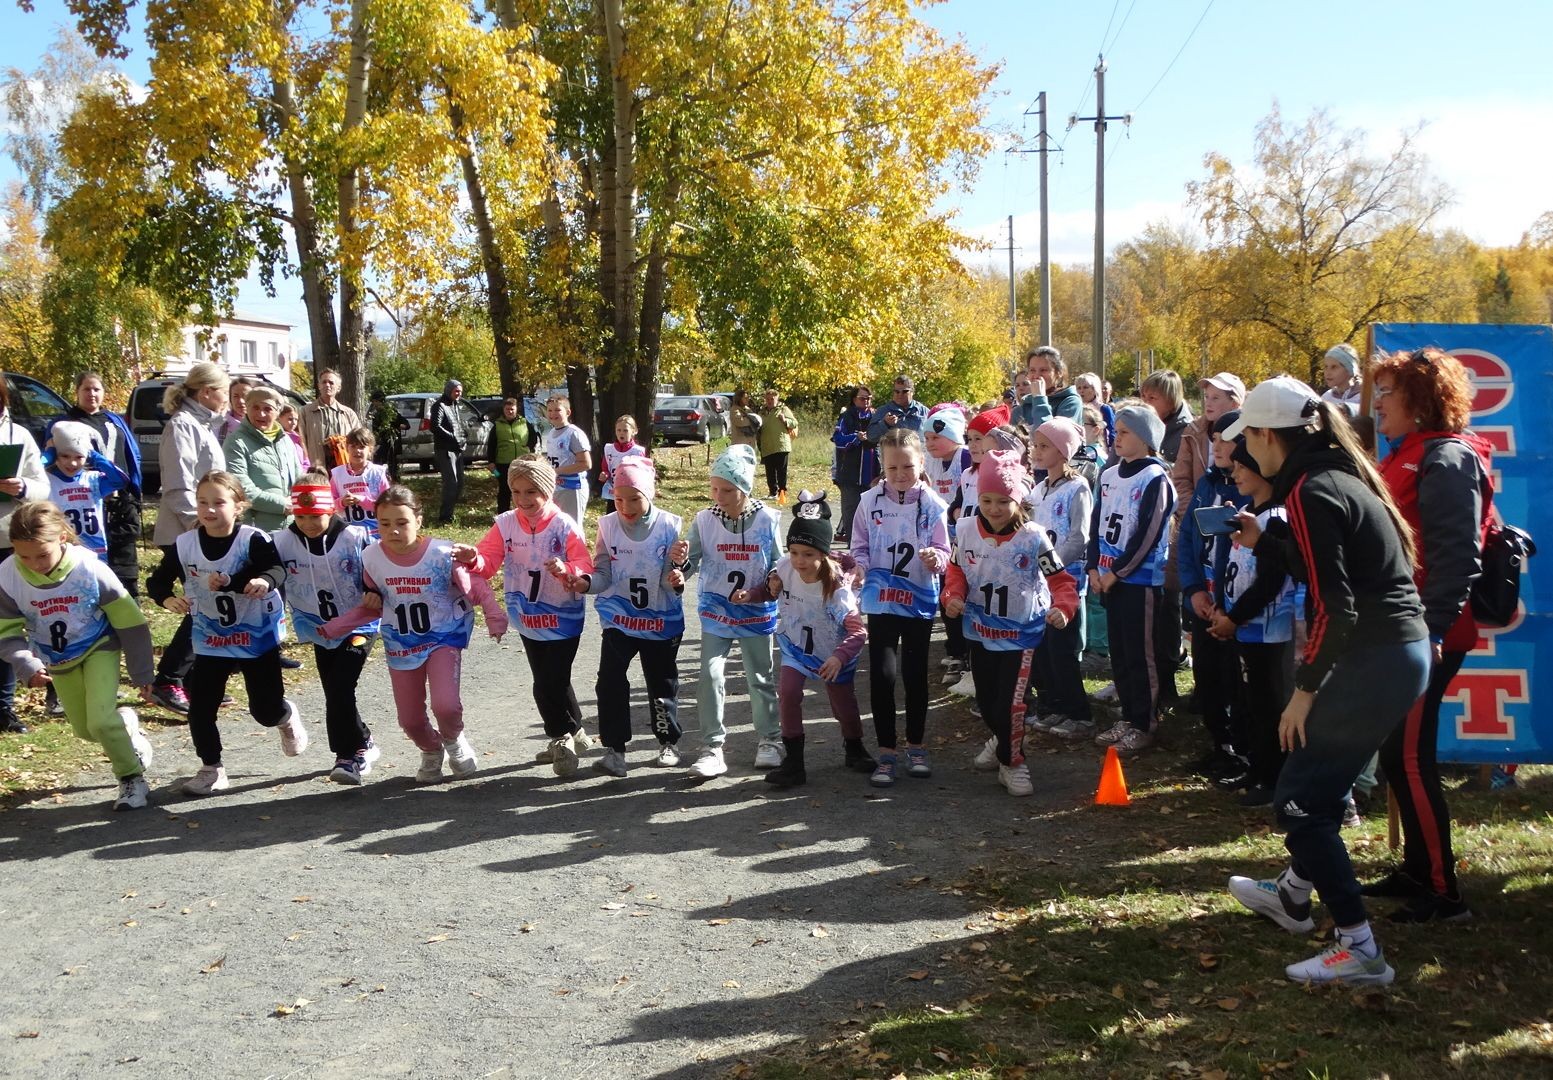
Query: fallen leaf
{"type": "Point", "coordinates": [1118, 992]}
{"type": "Point", "coordinates": [214, 966]}
{"type": "Point", "coordinates": [526, 928]}
{"type": "Point", "coordinates": [192, 824]}
{"type": "Point", "coordinates": [129, 922]}
{"type": "Point", "coordinates": [640, 914]}
{"type": "Point", "coordinates": [612, 907]}
{"type": "Point", "coordinates": [718, 922]}
{"type": "Point", "coordinates": [184, 911]}
{"type": "Point", "coordinates": [294, 937]}
{"type": "Point", "coordinates": [819, 931]}
{"type": "Point", "coordinates": [287, 1010]}
{"type": "Point", "coordinates": [129, 894]}
{"type": "Point", "coordinates": [1228, 1004]}
{"type": "Point", "coordinates": [917, 976]}
{"type": "Point", "coordinates": [301, 899]}
{"type": "Point", "coordinates": [1207, 961]}
{"type": "Point", "coordinates": [26, 1034]}
{"type": "Point", "coordinates": [435, 938]}
{"type": "Point", "coordinates": [730, 984]}
{"type": "Point", "coordinates": [977, 946]}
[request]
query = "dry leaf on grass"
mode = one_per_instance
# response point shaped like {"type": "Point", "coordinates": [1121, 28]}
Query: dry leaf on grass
{"type": "Point", "coordinates": [917, 976]}
{"type": "Point", "coordinates": [214, 966]}
{"type": "Point", "coordinates": [1228, 1004]}
{"type": "Point", "coordinates": [435, 938]}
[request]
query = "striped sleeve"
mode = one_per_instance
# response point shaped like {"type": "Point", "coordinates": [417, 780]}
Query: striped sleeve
{"type": "Point", "coordinates": [1317, 527]}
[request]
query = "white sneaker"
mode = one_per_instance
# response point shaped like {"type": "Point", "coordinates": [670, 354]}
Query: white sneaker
{"type": "Point", "coordinates": [368, 757]}
{"type": "Point", "coordinates": [710, 763]}
{"type": "Point", "coordinates": [1134, 741]}
{"type": "Point", "coordinates": [1338, 962]}
{"type": "Point", "coordinates": [563, 755]}
{"type": "Point", "coordinates": [768, 755]}
{"type": "Point", "coordinates": [210, 778]}
{"type": "Point", "coordinates": [1114, 734]}
{"type": "Point", "coordinates": [948, 661]}
{"type": "Point", "coordinates": [431, 767]}
{"type": "Point", "coordinates": [1106, 693]}
{"type": "Point", "coordinates": [133, 793]}
{"type": "Point", "coordinates": [613, 763]}
{"type": "Point", "coordinates": [987, 758]}
{"type": "Point", "coordinates": [1016, 779]}
{"type": "Point", "coordinates": [293, 736]}
{"type": "Point", "coordinates": [580, 739]}
{"type": "Point", "coordinates": [1270, 898]}
{"type": "Point", "coordinates": [461, 756]}
{"type": "Point", "coordinates": [137, 739]}
{"type": "Point", "coordinates": [1047, 722]}
{"type": "Point", "coordinates": [966, 687]}
{"type": "Point", "coordinates": [669, 757]}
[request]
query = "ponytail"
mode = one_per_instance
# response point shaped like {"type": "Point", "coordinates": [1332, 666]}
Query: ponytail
{"type": "Point", "coordinates": [830, 577]}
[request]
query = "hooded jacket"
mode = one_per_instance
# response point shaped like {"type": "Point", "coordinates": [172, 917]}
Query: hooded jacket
{"type": "Point", "coordinates": [188, 451]}
{"type": "Point", "coordinates": [266, 468]}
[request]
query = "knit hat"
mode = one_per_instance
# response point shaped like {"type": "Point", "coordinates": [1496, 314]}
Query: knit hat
{"type": "Point", "coordinates": [258, 395]}
{"type": "Point", "coordinates": [1143, 422]}
{"type": "Point", "coordinates": [1224, 421]}
{"type": "Point", "coordinates": [311, 499]}
{"type": "Point", "coordinates": [811, 522]}
{"type": "Point", "coordinates": [637, 472]}
{"type": "Point", "coordinates": [72, 437]}
{"type": "Point", "coordinates": [986, 421]}
{"type": "Point", "coordinates": [537, 470]}
{"type": "Point", "coordinates": [1345, 354]}
{"type": "Point", "coordinates": [946, 420]}
{"type": "Point", "coordinates": [737, 466]}
{"type": "Point", "coordinates": [1064, 434]}
{"type": "Point", "coordinates": [1004, 438]}
{"type": "Point", "coordinates": [1242, 455]}
{"type": "Point", "coordinates": [1002, 472]}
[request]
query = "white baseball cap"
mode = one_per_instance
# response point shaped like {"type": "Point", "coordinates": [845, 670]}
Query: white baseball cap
{"type": "Point", "coordinates": [1282, 402]}
{"type": "Point", "coordinates": [1227, 381]}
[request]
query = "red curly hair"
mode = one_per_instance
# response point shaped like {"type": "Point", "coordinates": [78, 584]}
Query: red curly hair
{"type": "Point", "coordinates": [1433, 384]}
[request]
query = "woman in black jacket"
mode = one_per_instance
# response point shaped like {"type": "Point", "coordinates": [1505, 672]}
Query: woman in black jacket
{"type": "Point", "coordinates": [1366, 659]}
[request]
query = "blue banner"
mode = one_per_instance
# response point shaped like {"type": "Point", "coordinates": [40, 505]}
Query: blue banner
{"type": "Point", "coordinates": [1490, 713]}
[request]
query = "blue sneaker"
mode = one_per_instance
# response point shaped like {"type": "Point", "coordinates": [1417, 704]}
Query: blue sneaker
{"type": "Point", "coordinates": [916, 762]}
{"type": "Point", "coordinates": [347, 770]}
{"type": "Point", "coordinates": [884, 772]}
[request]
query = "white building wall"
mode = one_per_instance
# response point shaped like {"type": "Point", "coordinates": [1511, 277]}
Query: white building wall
{"type": "Point", "coordinates": [242, 345]}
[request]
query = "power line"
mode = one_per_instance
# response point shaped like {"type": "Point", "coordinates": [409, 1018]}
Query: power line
{"type": "Point", "coordinates": [1177, 56]}
{"type": "Point", "coordinates": [1112, 44]}
{"type": "Point", "coordinates": [1107, 31]}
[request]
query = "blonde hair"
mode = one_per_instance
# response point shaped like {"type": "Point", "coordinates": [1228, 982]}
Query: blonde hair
{"type": "Point", "coordinates": [564, 399]}
{"type": "Point", "coordinates": [222, 478]}
{"type": "Point", "coordinates": [1167, 384]}
{"type": "Point", "coordinates": [41, 522]}
{"type": "Point", "coordinates": [201, 376]}
{"type": "Point", "coordinates": [361, 437]}
{"type": "Point", "coordinates": [627, 419]}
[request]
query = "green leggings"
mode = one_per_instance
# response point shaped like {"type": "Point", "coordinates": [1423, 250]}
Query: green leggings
{"type": "Point", "coordinates": [757, 655]}
{"type": "Point", "coordinates": [89, 691]}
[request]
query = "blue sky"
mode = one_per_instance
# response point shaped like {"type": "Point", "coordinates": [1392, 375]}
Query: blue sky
{"type": "Point", "coordinates": [1480, 81]}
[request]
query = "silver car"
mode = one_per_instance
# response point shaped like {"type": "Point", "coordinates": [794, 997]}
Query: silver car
{"type": "Point", "coordinates": [416, 446]}
{"type": "Point", "coordinates": [698, 417]}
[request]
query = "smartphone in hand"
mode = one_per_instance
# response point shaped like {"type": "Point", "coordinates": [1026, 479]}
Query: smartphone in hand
{"type": "Point", "coordinates": [1217, 520]}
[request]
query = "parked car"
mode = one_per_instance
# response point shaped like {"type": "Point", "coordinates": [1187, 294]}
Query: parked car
{"type": "Point", "coordinates": [417, 444]}
{"type": "Point", "coordinates": [698, 417]}
{"type": "Point", "coordinates": [33, 404]}
{"type": "Point", "coordinates": [146, 420]}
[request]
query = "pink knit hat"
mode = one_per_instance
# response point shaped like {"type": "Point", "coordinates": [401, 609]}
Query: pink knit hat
{"type": "Point", "coordinates": [1064, 434]}
{"type": "Point", "coordinates": [637, 472]}
{"type": "Point", "coordinates": [1002, 472]}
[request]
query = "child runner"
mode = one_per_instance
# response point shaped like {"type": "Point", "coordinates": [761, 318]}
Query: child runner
{"type": "Point", "coordinates": [1129, 540]}
{"type": "Point", "coordinates": [624, 446]}
{"type": "Point", "coordinates": [80, 478]}
{"type": "Point", "coordinates": [948, 460]}
{"type": "Point", "coordinates": [545, 569]}
{"type": "Point", "coordinates": [1201, 565]}
{"type": "Point", "coordinates": [322, 558]}
{"type": "Point", "coordinates": [1097, 442]}
{"type": "Point", "coordinates": [1008, 585]}
{"type": "Point", "coordinates": [819, 631]}
{"type": "Point", "coordinates": [1062, 505]}
{"type": "Point", "coordinates": [976, 443]}
{"type": "Point", "coordinates": [64, 616]}
{"type": "Point", "coordinates": [1256, 612]}
{"type": "Point", "coordinates": [638, 581]}
{"type": "Point", "coordinates": [358, 483]}
{"type": "Point", "coordinates": [733, 544]}
{"type": "Point", "coordinates": [566, 446]}
{"type": "Point", "coordinates": [231, 574]}
{"type": "Point", "coordinates": [900, 540]}
{"type": "Point", "coordinates": [426, 623]}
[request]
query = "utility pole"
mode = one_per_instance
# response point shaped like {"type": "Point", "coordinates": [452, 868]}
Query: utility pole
{"type": "Point", "coordinates": [1043, 148]}
{"type": "Point", "coordinates": [1013, 311]}
{"type": "Point", "coordinates": [1097, 339]}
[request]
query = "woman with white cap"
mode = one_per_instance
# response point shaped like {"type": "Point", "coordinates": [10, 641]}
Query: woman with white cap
{"type": "Point", "coordinates": [1365, 662]}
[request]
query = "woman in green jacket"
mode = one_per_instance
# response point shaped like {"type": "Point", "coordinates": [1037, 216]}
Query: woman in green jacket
{"type": "Point", "coordinates": [260, 454]}
{"type": "Point", "coordinates": [511, 437]}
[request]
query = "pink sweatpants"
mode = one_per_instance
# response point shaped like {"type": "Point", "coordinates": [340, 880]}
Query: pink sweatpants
{"type": "Point", "coordinates": [843, 704]}
{"type": "Point", "coordinates": [440, 676]}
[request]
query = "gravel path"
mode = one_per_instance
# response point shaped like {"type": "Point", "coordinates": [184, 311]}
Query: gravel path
{"type": "Point", "coordinates": [514, 924]}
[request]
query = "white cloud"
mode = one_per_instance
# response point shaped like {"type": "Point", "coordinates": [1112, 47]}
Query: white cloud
{"type": "Point", "coordinates": [1072, 233]}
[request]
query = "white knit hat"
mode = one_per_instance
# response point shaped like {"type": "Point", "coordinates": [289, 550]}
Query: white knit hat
{"type": "Point", "coordinates": [72, 437]}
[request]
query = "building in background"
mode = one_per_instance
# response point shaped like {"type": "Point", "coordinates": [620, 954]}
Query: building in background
{"type": "Point", "coordinates": [243, 344]}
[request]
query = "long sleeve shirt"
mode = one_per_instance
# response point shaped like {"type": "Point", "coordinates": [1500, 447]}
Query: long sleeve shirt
{"type": "Point", "coordinates": [852, 641]}
{"type": "Point", "coordinates": [492, 549]}
{"type": "Point", "coordinates": [128, 629]}
{"type": "Point", "coordinates": [1063, 588]}
{"type": "Point", "coordinates": [603, 568]}
{"type": "Point", "coordinates": [1154, 510]}
{"type": "Point", "coordinates": [1195, 553]}
{"type": "Point", "coordinates": [263, 563]}
{"type": "Point", "coordinates": [937, 538]}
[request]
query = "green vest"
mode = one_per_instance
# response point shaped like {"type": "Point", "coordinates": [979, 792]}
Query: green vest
{"type": "Point", "coordinates": [509, 439]}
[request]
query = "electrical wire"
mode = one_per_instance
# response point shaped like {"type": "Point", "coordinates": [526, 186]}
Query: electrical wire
{"type": "Point", "coordinates": [1176, 57]}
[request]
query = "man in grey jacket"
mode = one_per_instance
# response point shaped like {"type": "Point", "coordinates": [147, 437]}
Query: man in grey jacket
{"type": "Point", "coordinates": [447, 445]}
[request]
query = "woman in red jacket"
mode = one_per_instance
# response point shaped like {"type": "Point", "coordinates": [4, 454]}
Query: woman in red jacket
{"type": "Point", "coordinates": [1437, 472]}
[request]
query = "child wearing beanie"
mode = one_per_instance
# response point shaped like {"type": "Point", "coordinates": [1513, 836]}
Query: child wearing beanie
{"type": "Point", "coordinates": [1061, 504]}
{"type": "Point", "coordinates": [546, 571]}
{"type": "Point", "coordinates": [1008, 586]}
{"type": "Point", "coordinates": [80, 478]}
{"type": "Point", "coordinates": [978, 440]}
{"type": "Point", "coordinates": [637, 582]}
{"type": "Point", "coordinates": [819, 630]}
{"type": "Point", "coordinates": [1129, 542]}
{"type": "Point", "coordinates": [733, 545]}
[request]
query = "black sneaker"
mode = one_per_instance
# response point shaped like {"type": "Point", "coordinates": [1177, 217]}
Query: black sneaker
{"type": "Point", "coordinates": [172, 697]}
{"type": "Point", "coordinates": [289, 664]}
{"type": "Point", "coordinates": [11, 725]}
{"type": "Point", "coordinates": [858, 759]}
{"type": "Point", "coordinates": [1431, 907]}
{"type": "Point", "coordinates": [1397, 885]}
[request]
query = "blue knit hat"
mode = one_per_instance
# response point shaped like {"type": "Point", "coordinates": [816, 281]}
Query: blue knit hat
{"type": "Point", "coordinates": [948, 421]}
{"type": "Point", "coordinates": [737, 466]}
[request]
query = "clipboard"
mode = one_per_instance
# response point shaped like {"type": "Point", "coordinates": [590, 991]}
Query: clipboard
{"type": "Point", "coordinates": [10, 462]}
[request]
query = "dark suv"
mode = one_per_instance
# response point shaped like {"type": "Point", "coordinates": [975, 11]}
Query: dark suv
{"type": "Point", "coordinates": [33, 405]}
{"type": "Point", "coordinates": [146, 420]}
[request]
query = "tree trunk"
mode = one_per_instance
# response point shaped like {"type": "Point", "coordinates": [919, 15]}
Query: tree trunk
{"type": "Point", "coordinates": [317, 296]}
{"type": "Point", "coordinates": [353, 351]}
{"type": "Point", "coordinates": [654, 291]}
{"type": "Point", "coordinates": [618, 378]}
{"type": "Point", "coordinates": [498, 292]}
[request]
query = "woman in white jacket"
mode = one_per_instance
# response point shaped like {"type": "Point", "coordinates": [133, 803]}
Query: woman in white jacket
{"type": "Point", "coordinates": [27, 482]}
{"type": "Point", "coordinates": [188, 451]}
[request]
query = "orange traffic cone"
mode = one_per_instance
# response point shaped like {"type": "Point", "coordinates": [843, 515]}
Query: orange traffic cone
{"type": "Point", "coordinates": [1113, 785]}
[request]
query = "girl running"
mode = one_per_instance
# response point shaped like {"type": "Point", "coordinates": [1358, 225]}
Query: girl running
{"type": "Point", "coordinates": [64, 617]}
{"type": "Point", "coordinates": [900, 539]}
{"type": "Point", "coordinates": [819, 632]}
{"type": "Point", "coordinates": [230, 574]}
{"type": "Point", "coordinates": [359, 482]}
